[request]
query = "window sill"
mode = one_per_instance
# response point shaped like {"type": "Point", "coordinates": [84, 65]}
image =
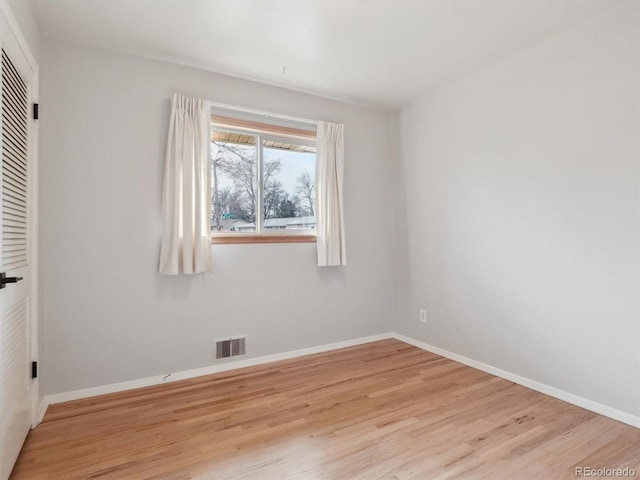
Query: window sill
{"type": "Point", "coordinates": [232, 239]}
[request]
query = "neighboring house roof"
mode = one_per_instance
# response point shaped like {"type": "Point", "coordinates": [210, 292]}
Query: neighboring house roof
{"type": "Point", "coordinates": [290, 221]}
{"type": "Point", "coordinates": [228, 224]}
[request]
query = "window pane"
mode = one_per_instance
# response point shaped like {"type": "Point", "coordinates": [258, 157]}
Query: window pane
{"type": "Point", "coordinates": [234, 182]}
{"type": "Point", "coordinates": [289, 180]}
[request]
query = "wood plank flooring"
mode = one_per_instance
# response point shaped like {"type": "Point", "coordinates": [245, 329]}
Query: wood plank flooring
{"type": "Point", "coordinates": [385, 410]}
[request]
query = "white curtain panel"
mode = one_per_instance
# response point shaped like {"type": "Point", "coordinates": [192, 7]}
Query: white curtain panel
{"type": "Point", "coordinates": [329, 198]}
{"type": "Point", "coordinates": [186, 196]}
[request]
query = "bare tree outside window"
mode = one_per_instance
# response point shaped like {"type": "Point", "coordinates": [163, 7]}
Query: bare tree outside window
{"type": "Point", "coordinates": [234, 185]}
{"type": "Point", "coordinates": [288, 185]}
{"type": "Point", "coordinates": [306, 188]}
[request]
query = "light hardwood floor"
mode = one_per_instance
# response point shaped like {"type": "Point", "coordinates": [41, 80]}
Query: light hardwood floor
{"type": "Point", "coordinates": [384, 410]}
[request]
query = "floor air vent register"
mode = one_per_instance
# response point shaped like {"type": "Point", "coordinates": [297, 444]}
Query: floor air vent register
{"type": "Point", "coordinates": [231, 347]}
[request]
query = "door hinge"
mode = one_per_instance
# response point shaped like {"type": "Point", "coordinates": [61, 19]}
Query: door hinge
{"type": "Point", "coordinates": [36, 111]}
{"type": "Point", "coordinates": [34, 369]}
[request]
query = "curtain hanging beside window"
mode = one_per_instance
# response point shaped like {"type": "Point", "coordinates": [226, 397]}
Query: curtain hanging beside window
{"type": "Point", "coordinates": [330, 201]}
{"type": "Point", "coordinates": [186, 205]}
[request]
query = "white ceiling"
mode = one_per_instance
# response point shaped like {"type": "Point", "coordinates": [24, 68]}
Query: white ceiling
{"type": "Point", "coordinates": [376, 52]}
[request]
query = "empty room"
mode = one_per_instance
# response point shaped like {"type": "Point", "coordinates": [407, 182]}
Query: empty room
{"type": "Point", "coordinates": [320, 239]}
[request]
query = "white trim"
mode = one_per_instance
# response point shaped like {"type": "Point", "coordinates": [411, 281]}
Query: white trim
{"type": "Point", "coordinates": [261, 113]}
{"type": "Point", "coordinates": [42, 410]}
{"type": "Point", "coordinates": [5, 9]}
{"type": "Point", "coordinates": [197, 372]}
{"type": "Point", "coordinates": [34, 177]}
{"type": "Point", "coordinates": [596, 407]}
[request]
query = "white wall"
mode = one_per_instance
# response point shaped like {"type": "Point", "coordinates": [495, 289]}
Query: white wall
{"type": "Point", "coordinates": [109, 317]}
{"type": "Point", "coordinates": [517, 212]}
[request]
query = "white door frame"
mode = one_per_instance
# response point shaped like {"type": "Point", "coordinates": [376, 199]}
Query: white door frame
{"type": "Point", "coordinates": [37, 407]}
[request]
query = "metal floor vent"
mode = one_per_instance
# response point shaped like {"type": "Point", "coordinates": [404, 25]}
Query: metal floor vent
{"type": "Point", "coordinates": [231, 347]}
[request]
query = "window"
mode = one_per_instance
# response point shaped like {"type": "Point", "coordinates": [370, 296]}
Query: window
{"type": "Point", "coordinates": [262, 182]}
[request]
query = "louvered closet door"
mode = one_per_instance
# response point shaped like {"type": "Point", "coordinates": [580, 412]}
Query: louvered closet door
{"type": "Point", "coordinates": [15, 336]}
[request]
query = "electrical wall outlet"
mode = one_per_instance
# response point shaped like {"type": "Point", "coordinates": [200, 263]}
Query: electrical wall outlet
{"type": "Point", "coordinates": [423, 316]}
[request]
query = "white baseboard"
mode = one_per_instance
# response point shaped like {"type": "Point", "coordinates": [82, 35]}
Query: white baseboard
{"type": "Point", "coordinates": [42, 410]}
{"type": "Point", "coordinates": [596, 407]}
{"type": "Point", "coordinates": [197, 372]}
